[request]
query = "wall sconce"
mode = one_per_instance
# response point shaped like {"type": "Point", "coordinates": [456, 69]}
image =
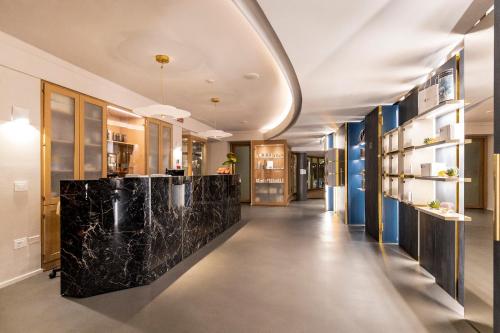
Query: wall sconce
{"type": "Point", "coordinates": [20, 115]}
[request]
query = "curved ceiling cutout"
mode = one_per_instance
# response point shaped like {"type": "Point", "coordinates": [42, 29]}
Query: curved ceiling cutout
{"type": "Point", "coordinates": [215, 51]}
{"type": "Point", "coordinates": [291, 112]}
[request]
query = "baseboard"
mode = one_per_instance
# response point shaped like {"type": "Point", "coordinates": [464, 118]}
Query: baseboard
{"type": "Point", "coordinates": [19, 278]}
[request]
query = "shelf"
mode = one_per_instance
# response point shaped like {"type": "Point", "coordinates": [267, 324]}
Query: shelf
{"type": "Point", "coordinates": [61, 171]}
{"type": "Point", "coordinates": [126, 144]}
{"type": "Point", "coordinates": [361, 189]}
{"type": "Point", "coordinates": [270, 158]}
{"type": "Point", "coordinates": [441, 144]}
{"type": "Point", "coordinates": [92, 145]}
{"type": "Point", "coordinates": [443, 216]}
{"type": "Point", "coordinates": [270, 183]}
{"type": "Point", "coordinates": [391, 131]}
{"type": "Point", "coordinates": [390, 175]}
{"type": "Point", "coordinates": [63, 142]}
{"type": "Point", "coordinates": [391, 196]}
{"type": "Point", "coordinates": [444, 179]}
{"type": "Point", "coordinates": [271, 169]}
{"type": "Point", "coordinates": [393, 152]}
{"type": "Point", "coordinates": [93, 119]}
{"type": "Point", "coordinates": [437, 111]}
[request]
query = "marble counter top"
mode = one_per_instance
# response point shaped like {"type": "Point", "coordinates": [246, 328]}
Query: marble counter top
{"type": "Point", "coordinates": [126, 232]}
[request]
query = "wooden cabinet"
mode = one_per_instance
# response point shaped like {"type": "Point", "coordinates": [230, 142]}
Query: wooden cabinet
{"type": "Point", "coordinates": [158, 146]}
{"type": "Point", "coordinates": [73, 136]}
{"type": "Point", "coordinates": [194, 154]}
{"type": "Point", "coordinates": [270, 161]}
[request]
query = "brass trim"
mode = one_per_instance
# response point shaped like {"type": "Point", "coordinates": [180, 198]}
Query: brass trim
{"type": "Point", "coordinates": [162, 58]}
{"type": "Point", "coordinates": [496, 186]}
{"type": "Point", "coordinates": [379, 180]}
{"type": "Point", "coordinates": [346, 178]}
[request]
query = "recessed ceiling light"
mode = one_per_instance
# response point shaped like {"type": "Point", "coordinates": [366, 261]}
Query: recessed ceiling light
{"type": "Point", "coordinates": [209, 80]}
{"type": "Point", "coordinates": [252, 76]}
{"type": "Point", "coordinates": [244, 122]}
{"type": "Point", "coordinates": [489, 111]}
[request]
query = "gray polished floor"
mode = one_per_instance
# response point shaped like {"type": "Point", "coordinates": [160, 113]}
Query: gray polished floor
{"type": "Point", "coordinates": [293, 269]}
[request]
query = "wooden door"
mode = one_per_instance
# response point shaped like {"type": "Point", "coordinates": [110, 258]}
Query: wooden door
{"type": "Point", "coordinates": [60, 160]}
{"type": "Point", "coordinates": [474, 169]}
{"type": "Point", "coordinates": [243, 168]}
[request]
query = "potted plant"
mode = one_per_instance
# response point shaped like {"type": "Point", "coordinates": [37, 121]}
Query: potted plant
{"type": "Point", "coordinates": [231, 161]}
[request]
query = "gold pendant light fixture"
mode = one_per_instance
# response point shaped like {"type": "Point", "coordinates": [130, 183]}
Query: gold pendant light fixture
{"type": "Point", "coordinates": [215, 133]}
{"type": "Point", "coordinates": [162, 110]}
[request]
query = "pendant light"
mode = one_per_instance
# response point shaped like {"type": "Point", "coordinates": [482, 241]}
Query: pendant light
{"type": "Point", "coordinates": [162, 110]}
{"type": "Point", "coordinates": [215, 133]}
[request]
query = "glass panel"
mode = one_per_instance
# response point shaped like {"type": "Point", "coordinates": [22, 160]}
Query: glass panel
{"type": "Point", "coordinates": [62, 140]}
{"type": "Point", "coordinates": [153, 149]}
{"type": "Point", "coordinates": [269, 173]}
{"type": "Point", "coordinates": [185, 155]}
{"type": "Point", "coordinates": [166, 147]}
{"type": "Point", "coordinates": [198, 157]}
{"type": "Point", "coordinates": [92, 140]}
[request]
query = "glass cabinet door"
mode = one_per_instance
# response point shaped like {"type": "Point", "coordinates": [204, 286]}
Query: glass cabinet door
{"type": "Point", "coordinates": [198, 157]}
{"type": "Point", "coordinates": [92, 138]}
{"type": "Point", "coordinates": [60, 133]}
{"type": "Point", "coordinates": [166, 148]}
{"type": "Point", "coordinates": [153, 147]}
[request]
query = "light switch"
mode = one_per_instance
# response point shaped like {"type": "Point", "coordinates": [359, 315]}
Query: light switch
{"type": "Point", "coordinates": [20, 186]}
{"type": "Point", "coordinates": [20, 242]}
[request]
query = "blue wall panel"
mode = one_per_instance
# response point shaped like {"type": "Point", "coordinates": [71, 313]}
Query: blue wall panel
{"type": "Point", "coordinates": [355, 197]}
{"type": "Point", "coordinates": [390, 207]}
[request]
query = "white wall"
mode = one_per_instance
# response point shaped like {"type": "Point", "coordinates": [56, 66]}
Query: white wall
{"type": "Point", "coordinates": [217, 151]}
{"type": "Point", "coordinates": [19, 160]}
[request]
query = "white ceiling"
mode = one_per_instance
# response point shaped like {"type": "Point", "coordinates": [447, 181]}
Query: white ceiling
{"type": "Point", "coordinates": [353, 55]}
{"type": "Point", "coordinates": [205, 39]}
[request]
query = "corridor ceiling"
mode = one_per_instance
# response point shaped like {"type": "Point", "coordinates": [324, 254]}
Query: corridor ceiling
{"type": "Point", "coordinates": [350, 56]}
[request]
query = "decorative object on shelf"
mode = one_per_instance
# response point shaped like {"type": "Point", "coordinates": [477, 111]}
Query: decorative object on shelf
{"type": "Point", "coordinates": [362, 137]}
{"type": "Point", "coordinates": [232, 159]}
{"type": "Point", "coordinates": [435, 204]}
{"type": "Point", "coordinates": [446, 84]}
{"type": "Point", "coordinates": [452, 132]}
{"type": "Point", "coordinates": [428, 141]}
{"type": "Point", "coordinates": [447, 207]}
{"type": "Point", "coordinates": [162, 110]}
{"type": "Point", "coordinates": [429, 96]}
{"type": "Point", "coordinates": [452, 172]}
{"type": "Point", "coordinates": [215, 133]}
{"type": "Point", "coordinates": [431, 169]}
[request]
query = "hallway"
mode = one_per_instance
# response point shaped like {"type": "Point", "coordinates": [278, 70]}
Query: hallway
{"type": "Point", "coordinates": [285, 270]}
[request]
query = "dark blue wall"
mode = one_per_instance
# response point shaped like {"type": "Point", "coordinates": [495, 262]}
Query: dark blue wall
{"type": "Point", "coordinates": [390, 207]}
{"type": "Point", "coordinates": [355, 197]}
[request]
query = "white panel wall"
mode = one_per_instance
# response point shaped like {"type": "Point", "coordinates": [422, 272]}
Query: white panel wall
{"type": "Point", "coordinates": [19, 160]}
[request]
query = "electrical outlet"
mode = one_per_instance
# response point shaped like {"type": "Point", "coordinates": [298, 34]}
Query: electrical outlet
{"type": "Point", "coordinates": [20, 243]}
{"type": "Point", "coordinates": [34, 239]}
{"type": "Point", "coordinates": [20, 186]}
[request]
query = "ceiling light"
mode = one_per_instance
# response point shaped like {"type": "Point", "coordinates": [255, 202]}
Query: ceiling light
{"type": "Point", "coordinates": [252, 76]}
{"type": "Point", "coordinates": [209, 80]}
{"type": "Point", "coordinates": [125, 112]}
{"type": "Point", "coordinates": [490, 9]}
{"type": "Point", "coordinates": [215, 133]}
{"type": "Point", "coordinates": [162, 110]}
{"type": "Point", "coordinates": [244, 122]}
{"type": "Point", "coordinates": [402, 98]}
{"type": "Point", "coordinates": [489, 111]}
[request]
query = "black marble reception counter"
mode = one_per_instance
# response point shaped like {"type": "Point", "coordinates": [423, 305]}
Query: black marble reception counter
{"type": "Point", "coordinates": [126, 232]}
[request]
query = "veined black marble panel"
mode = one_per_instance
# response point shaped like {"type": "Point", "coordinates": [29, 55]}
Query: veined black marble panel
{"type": "Point", "coordinates": [126, 232]}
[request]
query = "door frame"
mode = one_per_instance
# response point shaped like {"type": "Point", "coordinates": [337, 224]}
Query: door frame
{"type": "Point", "coordinates": [484, 189]}
{"type": "Point", "coordinates": [249, 145]}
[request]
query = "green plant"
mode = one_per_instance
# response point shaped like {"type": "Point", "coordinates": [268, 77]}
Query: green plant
{"type": "Point", "coordinates": [452, 172]}
{"type": "Point", "coordinates": [435, 204]}
{"type": "Point", "coordinates": [232, 159]}
{"type": "Point", "coordinates": [428, 141]}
